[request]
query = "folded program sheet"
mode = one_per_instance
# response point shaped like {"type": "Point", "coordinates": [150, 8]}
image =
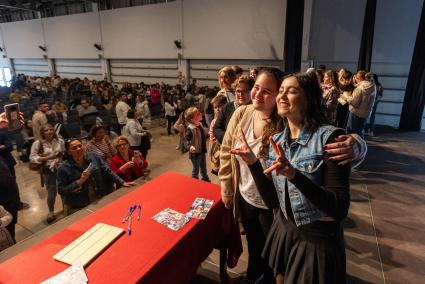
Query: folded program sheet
{"type": "Point", "coordinates": [89, 245]}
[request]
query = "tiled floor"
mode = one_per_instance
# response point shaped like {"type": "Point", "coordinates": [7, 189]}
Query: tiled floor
{"type": "Point", "coordinates": [384, 230]}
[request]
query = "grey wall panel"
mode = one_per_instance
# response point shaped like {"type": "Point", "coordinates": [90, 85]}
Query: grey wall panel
{"type": "Point", "coordinates": [144, 70]}
{"type": "Point", "coordinates": [31, 67]}
{"type": "Point", "coordinates": [72, 68]}
{"type": "Point", "coordinates": [205, 71]}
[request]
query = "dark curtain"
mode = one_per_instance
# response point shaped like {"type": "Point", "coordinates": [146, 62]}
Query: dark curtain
{"type": "Point", "coordinates": [365, 54]}
{"type": "Point", "coordinates": [414, 98]}
{"type": "Point", "coordinates": [293, 35]}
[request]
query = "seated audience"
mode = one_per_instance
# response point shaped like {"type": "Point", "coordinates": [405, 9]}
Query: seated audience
{"type": "Point", "coordinates": [87, 114]}
{"type": "Point", "coordinates": [127, 163]}
{"type": "Point", "coordinates": [83, 177]}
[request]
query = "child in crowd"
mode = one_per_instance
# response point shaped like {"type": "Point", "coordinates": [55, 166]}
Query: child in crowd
{"type": "Point", "coordinates": [214, 154]}
{"type": "Point", "coordinates": [196, 139]}
{"type": "Point", "coordinates": [217, 102]}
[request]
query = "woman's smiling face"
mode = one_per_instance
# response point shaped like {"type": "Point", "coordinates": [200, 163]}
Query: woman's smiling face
{"type": "Point", "coordinates": [264, 92]}
{"type": "Point", "coordinates": [291, 100]}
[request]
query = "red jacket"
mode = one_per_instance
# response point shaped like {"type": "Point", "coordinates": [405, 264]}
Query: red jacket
{"type": "Point", "coordinates": [117, 161]}
{"type": "Point", "coordinates": [155, 96]}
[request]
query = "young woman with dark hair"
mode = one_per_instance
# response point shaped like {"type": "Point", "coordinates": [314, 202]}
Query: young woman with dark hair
{"type": "Point", "coordinates": [305, 243]}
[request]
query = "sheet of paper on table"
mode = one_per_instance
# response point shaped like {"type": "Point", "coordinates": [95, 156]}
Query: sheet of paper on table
{"type": "Point", "coordinates": [74, 274]}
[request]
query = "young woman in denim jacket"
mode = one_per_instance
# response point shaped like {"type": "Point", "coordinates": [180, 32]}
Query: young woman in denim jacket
{"type": "Point", "coordinates": [85, 176]}
{"type": "Point", "coordinates": [305, 243]}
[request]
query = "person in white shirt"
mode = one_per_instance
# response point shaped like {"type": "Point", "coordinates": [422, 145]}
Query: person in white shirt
{"type": "Point", "coordinates": [134, 132]}
{"type": "Point", "coordinates": [48, 151]}
{"type": "Point", "coordinates": [121, 109]}
{"type": "Point", "coordinates": [170, 113]}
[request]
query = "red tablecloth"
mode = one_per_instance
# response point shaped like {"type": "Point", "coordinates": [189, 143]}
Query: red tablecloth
{"type": "Point", "coordinates": [152, 254]}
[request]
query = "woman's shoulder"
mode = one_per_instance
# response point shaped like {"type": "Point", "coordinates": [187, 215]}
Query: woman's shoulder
{"type": "Point", "coordinates": [328, 132]}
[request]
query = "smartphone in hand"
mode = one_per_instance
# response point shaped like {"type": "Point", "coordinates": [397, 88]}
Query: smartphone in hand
{"type": "Point", "coordinates": [12, 115]}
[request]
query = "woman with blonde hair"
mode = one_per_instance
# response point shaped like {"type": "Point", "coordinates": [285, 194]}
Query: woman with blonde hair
{"type": "Point", "coordinates": [330, 95]}
{"type": "Point", "coordinates": [48, 152]}
{"type": "Point", "coordinates": [127, 163]}
{"type": "Point", "coordinates": [226, 77]}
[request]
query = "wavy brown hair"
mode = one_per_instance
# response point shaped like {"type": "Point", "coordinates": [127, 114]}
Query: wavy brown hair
{"type": "Point", "coordinates": [275, 123]}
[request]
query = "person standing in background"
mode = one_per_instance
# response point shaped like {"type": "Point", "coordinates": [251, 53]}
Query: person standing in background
{"type": "Point", "coordinates": [121, 109]}
{"type": "Point", "coordinates": [39, 118]}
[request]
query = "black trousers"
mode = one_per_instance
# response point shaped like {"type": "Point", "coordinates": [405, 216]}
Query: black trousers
{"type": "Point", "coordinates": [257, 223]}
{"type": "Point", "coordinates": [170, 122]}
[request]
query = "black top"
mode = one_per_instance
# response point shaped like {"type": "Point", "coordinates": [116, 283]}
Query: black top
{"type": "Point", "coordinates": [222, 121]}
{"type": "Point", "coordinates": [332, 198]}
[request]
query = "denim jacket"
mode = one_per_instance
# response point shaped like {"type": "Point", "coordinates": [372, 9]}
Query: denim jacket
{"type": "Point", "coordinates": [101, 177]}
{"type": "Point", "coordinates": [306, 155]}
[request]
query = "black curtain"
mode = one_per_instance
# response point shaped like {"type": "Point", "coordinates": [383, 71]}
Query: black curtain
{"type": "Point", "coordinates": [293, 35]}
{"type": "Point", "coordinates": [414, 98]}
{"type": "Point", "coordinates": [365, 54]}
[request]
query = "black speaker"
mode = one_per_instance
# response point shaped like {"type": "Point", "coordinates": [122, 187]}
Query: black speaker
{"type": "Point", "coordinates": [178, 44]}
{"type": "Point", "coordinates": [97, 46]}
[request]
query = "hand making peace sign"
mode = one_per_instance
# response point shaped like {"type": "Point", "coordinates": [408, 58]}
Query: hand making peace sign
{"type": "Point", "coordinates": [281, 164]}
{"type": "Point", "coordinates": [244, 151]}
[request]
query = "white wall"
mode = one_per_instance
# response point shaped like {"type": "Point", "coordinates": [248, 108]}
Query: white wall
{"type": "Point", "coordinates": [335, 32]}
{"type": "Point", "coordinates": [23, 38]}
{"type": "Point", "coordinates": [234, 29]}
{"type": "Point", "coordinates": [72, 36]}
{"type": "Point", "coordinates": [142, 32]}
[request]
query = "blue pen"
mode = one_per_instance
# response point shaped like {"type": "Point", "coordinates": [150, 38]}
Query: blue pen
{"type": "Point", "coordinates": [129, 227]}
{"type": "Point", "coordinates": [132, 208]}
{"type": "Point", "coordinates": [126, 215]}
{"type": "Point", "coordinates": [138, 216]}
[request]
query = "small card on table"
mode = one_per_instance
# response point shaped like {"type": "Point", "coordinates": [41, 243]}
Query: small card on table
{"type": "Point", "coordinates": [171, 219]}
{"type": "Point", "coordinates": [200, 208]}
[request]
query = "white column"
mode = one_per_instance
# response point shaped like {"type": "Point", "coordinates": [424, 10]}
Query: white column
{"type": "Point", "coordinates": [51, 66]}
{"type": "Point", "coordinates": [106, 69]}
{"type": "Point", "coordinates": [184, 67]}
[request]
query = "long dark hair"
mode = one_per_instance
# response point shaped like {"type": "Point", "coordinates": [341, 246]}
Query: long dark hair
{"type": "Point", "coordinates": [315, 111]}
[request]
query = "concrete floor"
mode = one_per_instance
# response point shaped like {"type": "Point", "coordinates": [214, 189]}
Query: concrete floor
{"type": "Point", "coordinates": [384, 230]}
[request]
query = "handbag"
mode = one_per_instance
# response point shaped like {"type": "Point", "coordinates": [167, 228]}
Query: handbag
{"type": "Point", "coordinates": [37, 166]}
{"type": "Point", "coordinates": [215, 157]}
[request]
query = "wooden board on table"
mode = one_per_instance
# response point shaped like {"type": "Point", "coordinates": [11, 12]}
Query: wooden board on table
{"type": "Point", "coordinates": [89, 245]}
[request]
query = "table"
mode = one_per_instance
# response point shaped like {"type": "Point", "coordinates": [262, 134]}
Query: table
{"type": "Point", "coordinates": [152, 254]}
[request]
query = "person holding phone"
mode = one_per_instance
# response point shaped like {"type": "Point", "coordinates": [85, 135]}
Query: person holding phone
{"type": "Point", "coordinates": [6, 148]}
{"type": "Point", "coordinates": [79, 184]}
{"type": "Point", "coordinates": [127, 163]}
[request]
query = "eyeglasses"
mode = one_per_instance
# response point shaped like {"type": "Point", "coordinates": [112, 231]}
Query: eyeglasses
{"type": "Point", "coordinates": [48, 130]}
{"type": "Point", "coordinates": [122, 144]}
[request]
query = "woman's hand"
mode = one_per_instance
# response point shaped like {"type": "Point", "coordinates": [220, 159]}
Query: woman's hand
{"type": "Point", "coordinates": [128, 184]}
{"type": "Point", "coordinates": [281, 164]}
{"type": "Point", "coordinates": [4, 123]}
{"type": "Point", "coordinates": [126, 166]}
{"type": "Point", "coordinates": [192, 149]}
{"type": "Point", "coordinates": [228, 201]}
{"type": "Point", "coordinates": [244, 151]}
{"type": "Point", "coordinates": [343, 151]}
{"type": "Point", "coordinates": [84, 176]}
